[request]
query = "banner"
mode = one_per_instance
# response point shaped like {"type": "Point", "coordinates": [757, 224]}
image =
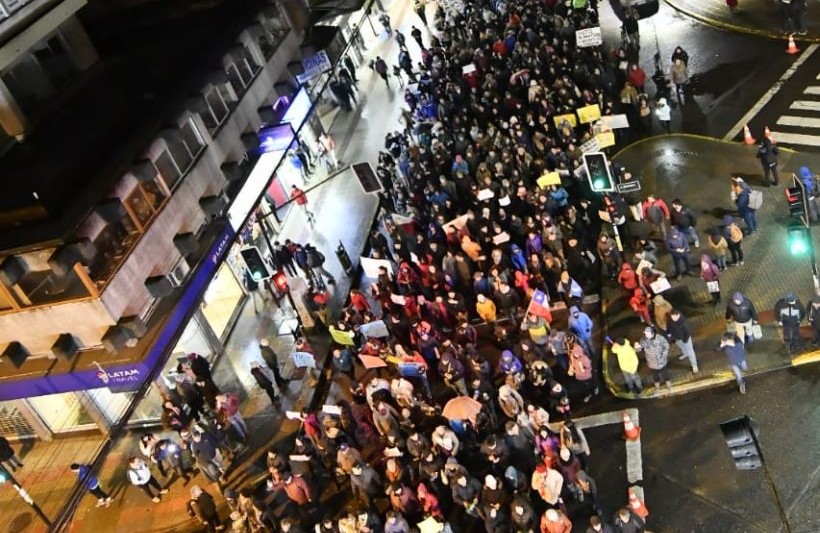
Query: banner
{"type": "Point", "coordinates": [345, 338]}
{"type": "Point", "coordinates": [303, 360]}
{"type": "Point", "coordinates": [550, 178]}
{"type": "Point", "coordinates": [371, 267]}
{"type": "Point", "coordinates": [569, 117]}
{"type": "Point", "coordinates": [457, 223]}
{"type": "Point", "coordinates": [540, 305]}
{"type": "Point", "coordinates": [588, 113]}
{"type": "Point", "coordinates": [588, 37]}
{"type": "Point", "coordinates": [614, 122]}
{"type": "Point", "coordinates": [314, 65]}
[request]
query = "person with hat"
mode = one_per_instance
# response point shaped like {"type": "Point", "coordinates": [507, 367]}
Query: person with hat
{"type": "Point", "coordinates": [741, 312]}
{"type": "Point", "coordinates": [656, 352]}
{"type": "Point", "coordinates": [581, 325]}
{"type": "Point", "coordinates": [789, 313]}
{"type": "Point", "coordinates": [555, 521]}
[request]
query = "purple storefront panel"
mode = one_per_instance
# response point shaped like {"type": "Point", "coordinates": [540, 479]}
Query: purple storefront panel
{"type": "Point", "coordinates": [128, 377]}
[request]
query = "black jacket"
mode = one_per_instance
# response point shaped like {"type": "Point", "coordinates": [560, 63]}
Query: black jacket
{"type": "Point", "coordinates": [678, 330]}
{"type": "Point", "coordinates": [741, 313]}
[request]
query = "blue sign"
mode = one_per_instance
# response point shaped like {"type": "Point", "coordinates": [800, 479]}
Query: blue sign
{"type": "Point", "coordinates": [277, 138]}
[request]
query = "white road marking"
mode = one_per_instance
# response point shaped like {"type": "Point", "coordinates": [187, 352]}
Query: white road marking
{"type": "Point", "coordinates": [796, 138]}
{"type": "Point", "coordinates": [812, 90]}
{"type": "Point", "coordinates": [766, 98]}
{"type": "Point", "coordinates": [805, 105]}
{"type": "Point", "coordinates": [803, 122]}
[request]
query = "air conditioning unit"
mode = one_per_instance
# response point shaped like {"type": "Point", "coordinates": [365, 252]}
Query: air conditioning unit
{"type": "Point", "coordinates": [179, 273]}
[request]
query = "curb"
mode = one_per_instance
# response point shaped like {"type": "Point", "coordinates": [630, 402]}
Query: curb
{"type": "Point", "coordinates": [689, 136]}
{"type": "Point", "coordinates": [728, 26]}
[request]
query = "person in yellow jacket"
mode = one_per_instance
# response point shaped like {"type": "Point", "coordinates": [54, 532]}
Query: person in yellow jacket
{"type": "Point", "coordinates": [485, 309]}
{"type": "Point", "coordinates": [628, 363]}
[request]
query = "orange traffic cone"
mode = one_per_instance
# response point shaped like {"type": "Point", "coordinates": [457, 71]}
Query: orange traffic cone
{"type": "Point", "coordinates": [631, 431]}
{"type": "Point", "coordinates": [792, 49]}
{"type": "Point", "coordinates": [768, 134]}
{"type": "Point", "coordinates": [636, 505]}
{"type": "Point", "coordinates": [747, 135]}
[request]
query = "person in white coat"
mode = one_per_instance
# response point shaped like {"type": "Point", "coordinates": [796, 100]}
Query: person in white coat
{"type": "Point", "coordinates": [139, 474]}
{"type": "Point", "coordinates": [664, 114]}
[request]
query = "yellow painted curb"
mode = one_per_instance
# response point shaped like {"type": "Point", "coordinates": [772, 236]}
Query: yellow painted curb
{"type": "Point", "coordinates": [806, 358]}
{"type": "Point", "coordinates": [734, 27]}
{"type": "Point", "coordinates": [691, 136]}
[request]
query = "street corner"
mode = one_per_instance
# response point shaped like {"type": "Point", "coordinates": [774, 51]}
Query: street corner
{"type": "Point", "coordinates": [753, 17]}
{"type": "Point", "coordinates": [806, 358]}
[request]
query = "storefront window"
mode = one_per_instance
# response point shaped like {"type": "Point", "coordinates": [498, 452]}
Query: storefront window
{"type": "Point", "coordinates": [114, 404]}
{"type": "Point", "coordinates": [62, 412]}
{"type": "Point", "coordinates": [193, 340]}
{"type": "Point", "coordinates": [223, 296]}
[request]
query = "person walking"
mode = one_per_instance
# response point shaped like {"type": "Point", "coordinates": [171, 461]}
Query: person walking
{"type": "Point", "coordinates": [272, 361]}
{"type": "Point", "coordinates": [679, 75]}
{"type": "Point", "coordinates": [789, 313]}
{"type": "Point", "coordinates": [264, 378]}
{"type": "Point", "coordinates": [299, 197]}
{"type": "Point", "coordinates": [678, 247]}
{"type": "Point", "coordinates": [664, 114]}
{"type": "Point", "coordinates": [767, 152]}
{"type": "Point", "coordinates": [684, 219]}
{"type": "Point", "coordinates": [680, 333]}
{"type": "Point", "coordinates": [741, 312]}
{"type": "Point", "coordinates": [656, 352]}
{"type": "Point", "coordinates": [415, 33]}
{"type": "Point", "coordinates": [316, 262]}
{"type": "Point", "coordinates": [92, 483]}
{"type": "Point", "coordinates": [656, 212]}
{"type": "Point", "coordinates": [734, 236]}
{"type": "Point", "coordinates": [420, 8]}
{"type": "Point", "coordinates": [380, 66]}
{"type": "Point", "coordinates": [328, 145]}
{"type": "Point", "coordinates": [8, 455]}
{"type": "Point", "coordinates": [735, 352]}
{"type": "Point", "coordinates": [401, 40]}
{"type": "Point", "coordinates": [710, 273]}
{"type": "Point", "coordinates": [203, 507]}
{"type": "Point", "coordinates": [628, 364]}
{"type": "Point", "coordinates": [139, 474]}
{"type": "Point", "coordinates": [742, 194]}
{"type": "Point", "coordinates": [228, 404]}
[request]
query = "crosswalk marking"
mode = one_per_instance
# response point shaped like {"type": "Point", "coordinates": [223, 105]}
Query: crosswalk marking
{"type": "Point", "coordinates": [796, 138]}
{"type": "Point", "coordinates": [803, 122]}
{"type": "Point", "coordinates": [812, 90]}
{"type": "Point", "coordinates": [806, 105]}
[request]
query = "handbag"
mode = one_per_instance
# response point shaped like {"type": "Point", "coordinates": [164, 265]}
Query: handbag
{"type": "Point", "coordinates": [757, 331]}
{"type": "Point", "coordinates": [713, 286]}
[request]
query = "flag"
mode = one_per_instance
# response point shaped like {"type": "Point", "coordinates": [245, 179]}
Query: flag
{"type": "Point", "coordinates": [540, 305]}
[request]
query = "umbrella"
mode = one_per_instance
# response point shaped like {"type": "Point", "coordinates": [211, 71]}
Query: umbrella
{"type": "Point", "coordinates": [462, 408]}
{"type": "Point", "coordinates": [370, 361]}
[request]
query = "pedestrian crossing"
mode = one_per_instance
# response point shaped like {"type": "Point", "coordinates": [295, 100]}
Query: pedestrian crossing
{"type": "Point", "coordinates": [800, 128]}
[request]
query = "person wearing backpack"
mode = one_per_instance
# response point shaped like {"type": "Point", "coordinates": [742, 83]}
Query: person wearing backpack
{"type": "Point", "coordinates": [734, 236]}
{"type": "Point", "coordinates": [742, 193]}
{"type": "Point", "coordinates": [316, 262]}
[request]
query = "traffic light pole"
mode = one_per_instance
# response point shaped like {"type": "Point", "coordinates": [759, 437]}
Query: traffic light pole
{"type": "Point", "coordinates": [770, 482]}
{"type": "Point", "coordinates": [24, 494]}
{"type": "Point", "coordinates": [806, 220]}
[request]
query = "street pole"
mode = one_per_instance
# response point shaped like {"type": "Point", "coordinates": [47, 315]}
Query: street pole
{"type": "Point", "coordinates": [24, 494]}
{"type": "Point", "coordinates": [770, 482]}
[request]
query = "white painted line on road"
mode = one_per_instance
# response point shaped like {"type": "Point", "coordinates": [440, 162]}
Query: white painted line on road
{"type": "Point", "coordinates": [796, 138]}
{"type": "Point", "coordinates": [634, 459]}
{"type": "Point", "coordinates": [812, 90]}
{"type": "Point", "coordinates": [766, 98]}
{"type": "Point", "coordinates": [805, 105]}
{"type": "Point", "coordinates": [803, 122]}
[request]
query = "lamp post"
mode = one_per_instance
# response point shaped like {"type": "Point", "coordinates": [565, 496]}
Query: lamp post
{"type": "Point", "coordinates": [5, 475]}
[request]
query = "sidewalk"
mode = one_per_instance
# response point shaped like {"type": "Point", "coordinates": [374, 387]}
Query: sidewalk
{"type": "Point", "coordinates": [697, 170]}
{"type": "Point", "coordinates": [757, 17]}
{"type": "Point", "coordinates": [359, 137]}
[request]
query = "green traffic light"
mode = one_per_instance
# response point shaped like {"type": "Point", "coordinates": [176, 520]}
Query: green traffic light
{"type": "Point", "coordinates": [798, 247]}
{"type": "Point", "coordinates": [798, 240]}
{"type": "Point", "coordinates": [600, 184]}
{"type": "Point", "coordinates": [257, 275]}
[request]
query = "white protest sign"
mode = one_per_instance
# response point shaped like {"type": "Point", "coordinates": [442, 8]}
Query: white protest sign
{"type": "Point", "coordinates": [591, 145]}
{"type": "Point", "coordinates": [588, 37]}
{"type": "Point", "coordinates": [614, 122]}
{"type": "Point", "coordinates": [371, 266]}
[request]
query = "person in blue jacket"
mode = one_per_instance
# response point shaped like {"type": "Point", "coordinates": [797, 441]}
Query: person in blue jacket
{"type": "Point", "coordinates": [92, 483]}
{"type": "Point", "coordinates": [581, 325]}
{"type": "Point", "coordinates": [807, 177]}
{"type": "Point", "coordinates": [509, 364]}
{"type": "Point", "coordinates": [742, 194]}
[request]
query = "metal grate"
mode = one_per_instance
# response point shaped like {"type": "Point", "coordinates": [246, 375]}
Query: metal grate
{"type": "Point", "coordinates": [12, 422]}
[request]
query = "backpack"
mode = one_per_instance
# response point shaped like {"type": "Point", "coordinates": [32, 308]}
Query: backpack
{"type": "Point", "coordinates": [735, 233]}
{"type": "Point", "coordinates": [755, 199]}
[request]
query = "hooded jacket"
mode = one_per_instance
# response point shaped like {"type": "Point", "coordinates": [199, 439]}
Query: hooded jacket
{"type": "Point", "coordinates": [743, 312]}
{"type": "Point", "coordinates": [580, 323]}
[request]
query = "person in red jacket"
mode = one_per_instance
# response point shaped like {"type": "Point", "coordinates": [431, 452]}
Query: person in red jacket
{"type": "Point", "coordinates": [299, 197]}
{"type": "Point", "coordinates": [628, 278]}
{"type": "Point", "coordinates": [637, 77]}
{"type": "Point", "coordinates": [358, 301]}
{"type": "Point", "coordinates": [640, 304]}
{"type": "Point", "coordinates": [554, 521]}
{"type": "Point", "coordinates": [656, 212]}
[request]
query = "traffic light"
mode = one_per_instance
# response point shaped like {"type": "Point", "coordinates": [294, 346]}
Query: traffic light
{"type": "Point", "coordinates": [256, 265]}
{"type": "Point", "coordinates": [742, 443]}
{"type": "Point", "coordinates": [796, 198]}
{"type": "Point", "coordinates": [600, 180]}
{"type": "Point", "coordinates": [799, 238]}
{"type": "Point", "coordinates": [280, 282]}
